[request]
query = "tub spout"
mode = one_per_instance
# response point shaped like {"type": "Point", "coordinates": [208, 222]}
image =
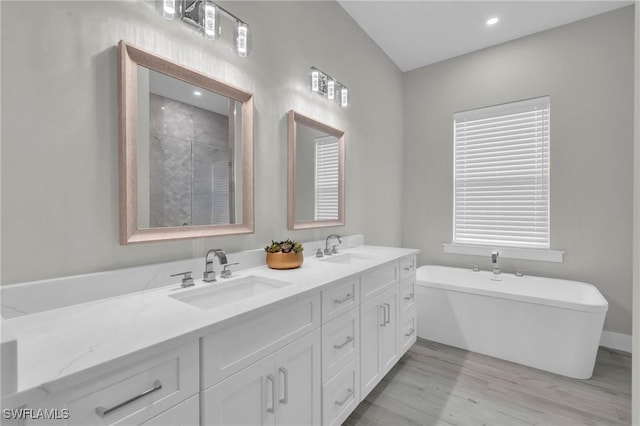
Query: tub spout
{"type": "Point", "coordinates": [494, 261]}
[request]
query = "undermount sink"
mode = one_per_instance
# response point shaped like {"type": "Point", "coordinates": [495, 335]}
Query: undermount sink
{"type": "Point", "coordinates": [347, 258]}
{"type": "Point", "coordinates": [219, 294]}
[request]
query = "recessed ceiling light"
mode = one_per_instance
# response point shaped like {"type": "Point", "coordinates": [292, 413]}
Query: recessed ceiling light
{"type": "Point", "coordinates": [492, 21]}
{"type": "Point", "coordinates": [197, 93]}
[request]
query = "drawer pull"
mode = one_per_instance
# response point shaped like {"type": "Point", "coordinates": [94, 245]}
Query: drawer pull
{"type": "Point", "coordinates": [101, 411]}
{"type": "Point", "coordinates": [346, 342]}
{"type": "Point", "coordinates": [348, 297]}
{"type": "Point", "coordinates": [409, 297]}
{"type": "Point", "coordinates": [349, 395]}
{"type": "Point", "coordinates": [411, 331]}
{"type": "Point", "coordinates": [285, 376]}
{"type": "Point", "coordinates": [273, 394]}
{"type": "Point", "coordinates": [388, 313]}
{"type": "Point", "coordinates": [384, 315]}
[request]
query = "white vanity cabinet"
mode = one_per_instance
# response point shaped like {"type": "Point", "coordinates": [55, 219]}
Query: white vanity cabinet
{"type": "Point", "coordinates": [307, 357]}
{"type": "Point", "coordinates": [266, 368]}
{"type": "Point", "coordinates": [132, 395]}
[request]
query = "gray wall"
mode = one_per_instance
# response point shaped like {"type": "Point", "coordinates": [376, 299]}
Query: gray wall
{"type": "Point", "coordinates": [587, 70]}
{"type": "Point", "coordinates": [60, 142]}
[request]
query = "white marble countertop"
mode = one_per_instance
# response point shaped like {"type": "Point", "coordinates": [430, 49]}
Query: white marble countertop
{"type": "Point", "coordinates": [64, 346]}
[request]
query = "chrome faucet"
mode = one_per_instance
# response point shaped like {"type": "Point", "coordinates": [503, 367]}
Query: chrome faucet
{"type": "Point", "coordinates": [494, 261]}
{"type": "Point", "coordinates": [209, 273]}
{"type": "Point", "coordinates": [326, 245]}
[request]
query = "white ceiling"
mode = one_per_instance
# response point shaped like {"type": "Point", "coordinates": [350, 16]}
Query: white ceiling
{"type": "Point", "coordinates": [421, 32]}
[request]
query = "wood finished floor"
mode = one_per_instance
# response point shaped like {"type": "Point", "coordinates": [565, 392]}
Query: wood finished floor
{"type": "Point", "coordinates": [435, 384]}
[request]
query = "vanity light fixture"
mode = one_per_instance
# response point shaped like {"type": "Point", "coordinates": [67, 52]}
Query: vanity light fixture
{"type": "Point", "coordinates": [328, 87]}
{"type": "Point", "coordinates": [204, 16]}
{"type": "Point", "coordinates": [492, 21]}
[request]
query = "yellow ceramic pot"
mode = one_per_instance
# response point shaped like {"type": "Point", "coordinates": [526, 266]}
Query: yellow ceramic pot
{"type": "Point", "coordinates": [289, 260]}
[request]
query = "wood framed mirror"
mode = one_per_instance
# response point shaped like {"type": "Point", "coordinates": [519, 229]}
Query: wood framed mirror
{"type": "Point", "coordinates": [186, 151]}
{"type": "Point", "coordinates": [315, 173]}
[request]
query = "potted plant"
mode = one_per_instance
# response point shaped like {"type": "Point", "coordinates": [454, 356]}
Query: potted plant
{"type": "Point", "coordinates": [285, 254]}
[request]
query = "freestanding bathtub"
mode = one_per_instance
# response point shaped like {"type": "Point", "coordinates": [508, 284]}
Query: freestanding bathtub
{"type": "Point", "coordinates": [550, 324]}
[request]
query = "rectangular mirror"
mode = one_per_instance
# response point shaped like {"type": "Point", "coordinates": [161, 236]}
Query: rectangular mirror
{"type": "Point", "coordinates": [186, 152]}
{"type": "Point", "coordinates": [315, 174]}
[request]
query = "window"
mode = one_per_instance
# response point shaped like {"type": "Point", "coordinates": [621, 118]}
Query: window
{"type": "Point", "coordinates": [326, 178]}
{"type": "Point", "coordinates": [501, 175]}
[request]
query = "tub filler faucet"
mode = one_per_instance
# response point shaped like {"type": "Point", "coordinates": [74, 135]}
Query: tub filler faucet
{"type": "Point", "coordinates": [494, 261]}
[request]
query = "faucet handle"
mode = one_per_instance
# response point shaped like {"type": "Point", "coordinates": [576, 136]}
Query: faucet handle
{"type": "Point", "coordinates": [334, 250]}
{"type": "Point", "coordinates": [520, 272]}
{"type": "Point", "coordinates": [186, 279]}
{"type": "Point", "coordinates": [319, 253]}
{"type": "Point", "coordinates": [226, 273]}
{"type": "Point", "coordinates": [475, 267]}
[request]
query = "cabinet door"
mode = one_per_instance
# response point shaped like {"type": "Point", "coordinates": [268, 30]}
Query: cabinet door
{"type": "Point", "coordinates": [246, 398]}
{"type": "Point", "coordinates": [378, 338]}
{"type": "Point", "coordinates": [389, 336]}
{"type": "Point", "coordinates": [299, 382]}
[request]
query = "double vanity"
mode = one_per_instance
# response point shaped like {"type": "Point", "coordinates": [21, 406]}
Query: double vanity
{"type": "Point", "coordinates": [301, 346]}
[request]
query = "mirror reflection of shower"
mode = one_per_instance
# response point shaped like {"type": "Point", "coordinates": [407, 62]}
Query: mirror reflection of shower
{"type": "Point", "coordinates": [191, 171]}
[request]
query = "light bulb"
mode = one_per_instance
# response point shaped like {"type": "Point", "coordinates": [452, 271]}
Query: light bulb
{"type": "Point", "coordinates": [209, 20]}
{"type": "Point", "coordinates": [492, 21]}
{"type": "Point", "coordinates": [242, 39]}
{"type": "Point", "coordinates": [315, 80]}
{"type": "Point", "coordinates": [344, 97]}
{"type": "Point", "coordinates": [331, 89]}
{"type": "Point", "coordinates": [169, 9]}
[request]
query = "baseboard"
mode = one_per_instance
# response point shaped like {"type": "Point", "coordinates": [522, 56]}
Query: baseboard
{"type": "Point", "coordinates": [618, 341]}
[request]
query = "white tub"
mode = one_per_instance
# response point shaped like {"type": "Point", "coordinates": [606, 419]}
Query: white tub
{"type": "Point", "coordinates": [550, 324]}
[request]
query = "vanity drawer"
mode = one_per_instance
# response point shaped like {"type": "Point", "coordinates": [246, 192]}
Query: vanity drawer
{"type": "Point", "coordinates": [254, 336]}
{"type": "Point", "coordinates": [339, 298]}
{"type": "Point", "coordinates": [378, 280]}
{"type": "Point", "coordinates": [407, 294]}
{"type": "Point", "coordinates": [129, 395]}
{"type": "Point", "coordinates": [340, 342]}
{"type": "Point", "coordinates": [408, 267]}
{"type": "Point", "coordinates": [408, 331]}
{"type": "Point", "coordinates": [341, 395]}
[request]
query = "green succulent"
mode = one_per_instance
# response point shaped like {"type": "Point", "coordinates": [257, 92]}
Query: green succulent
{"type": "Point", "coordinates": [286, 246]}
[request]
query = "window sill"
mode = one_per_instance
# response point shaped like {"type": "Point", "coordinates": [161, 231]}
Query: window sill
{"type": "Point", "coordinates": [506, 252]}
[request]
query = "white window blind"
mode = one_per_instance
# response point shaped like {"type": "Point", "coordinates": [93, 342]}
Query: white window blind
{"type": "Point", "coordinates": [501, 174]}
{"type": "Point", "coordinates": [326, 178]}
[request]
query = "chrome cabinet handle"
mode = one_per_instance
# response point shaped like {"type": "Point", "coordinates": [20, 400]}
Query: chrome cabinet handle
{"type": "Point", "coordinates": [409, 297]}
{"type": "Point", "coordinates": [387, 311]}
{"type": "Point", "coordinates": [273, 394]}
{"type": "Point", "coordinates": [346, 342]}
{"type": "Point", "coordinates": [384, 315]}
{"type": "Point", "coordinates": [349, 394]}
{"type": "Point", "coordinates": [285, 375]}
{"type": "Point", "coordinates": [348, 297]}
{"type": "Point", "coordinates": [101, 411]}
{"type": "Point", "coordinates": [411, 331]}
